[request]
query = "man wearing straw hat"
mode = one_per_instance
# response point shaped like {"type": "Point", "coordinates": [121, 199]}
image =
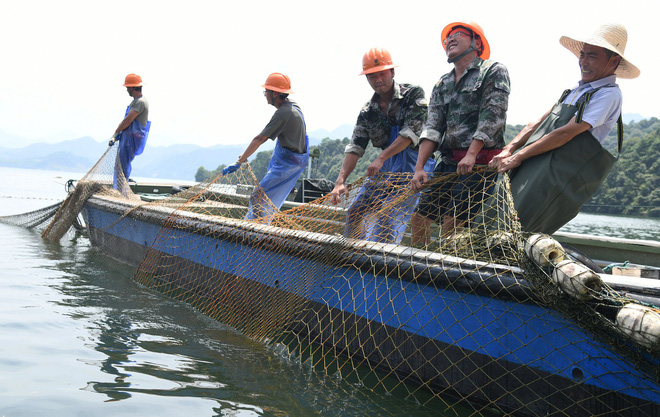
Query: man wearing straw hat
{"type": "Point", "coordinates": [466, 122]}
{"type": "Point", "coordinates": [560, 160]}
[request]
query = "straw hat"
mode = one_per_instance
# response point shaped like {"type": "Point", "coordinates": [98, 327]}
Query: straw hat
{"type": "Point", "coordinates": [612, 37]}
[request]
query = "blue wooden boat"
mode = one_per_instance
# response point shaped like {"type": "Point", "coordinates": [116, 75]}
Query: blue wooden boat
{"type": "Point", "coordinates": [438, 325]}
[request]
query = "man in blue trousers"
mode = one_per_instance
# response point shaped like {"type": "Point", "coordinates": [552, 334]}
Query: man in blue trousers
{"type": "Point", "coordinates": [291, 149]}
{"type": "Point", "coordinates": [392, 121]}
{"type": "Point", "coordinates": [133, 130]}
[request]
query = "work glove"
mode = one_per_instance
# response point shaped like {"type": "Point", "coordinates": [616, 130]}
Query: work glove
{"type": "Point", "coordinates": [112, 140]}
{"type": "Point", "coordinates": [231, 168]}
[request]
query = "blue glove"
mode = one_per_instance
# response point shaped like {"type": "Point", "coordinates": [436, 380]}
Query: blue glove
{"type": "Point", "coordinates": [113, 139]}
{"type": "Point", "coordinates": [231, 168]}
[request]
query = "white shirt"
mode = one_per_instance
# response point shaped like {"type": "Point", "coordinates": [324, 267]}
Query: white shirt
{"type": "Point", "coordinates": [603, 109]}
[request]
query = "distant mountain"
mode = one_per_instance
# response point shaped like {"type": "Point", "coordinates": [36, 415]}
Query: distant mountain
{"type": "Point", "coordinates": [629, 117]}
{"type": "Point", "coordinates": [80, 155]}
{"type": "Point", "coordinates": [10, 140]}
{"type": "Point", "coordinates": [182, 161]}
{"type": "Point", "coordinates": [343, 131]}
{"type": "Point", "coordinates": [72, 155]}
{"type": "Point", "coordinates": [166, 162]}
{"type": "Point", "coordinates": [83, 147]}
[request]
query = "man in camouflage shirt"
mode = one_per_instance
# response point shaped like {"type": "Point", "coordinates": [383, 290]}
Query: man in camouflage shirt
{"type": "Point", "coordinates": [466, 121]}
{"type": "Point", "coordinates": [392, 121]}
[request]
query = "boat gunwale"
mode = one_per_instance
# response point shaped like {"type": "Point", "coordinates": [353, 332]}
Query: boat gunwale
{"type": "Point", "coordinates": [393, 261]}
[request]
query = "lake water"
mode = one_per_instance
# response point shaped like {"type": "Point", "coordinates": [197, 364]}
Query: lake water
{"type": "Point", "coordinates": [79, 337]}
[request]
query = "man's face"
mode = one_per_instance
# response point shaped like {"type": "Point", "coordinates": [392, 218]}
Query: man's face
{"type": "Point", "coordinates": [129, 90]}
{"type": "Point", "coordinates": [457, 42]}
{"type": "Point", "coordinates": [595, 63]}
{"type": "Point", "coordinates": [269, 96]}
{"type": "Point", "coordinates": [381, 81]}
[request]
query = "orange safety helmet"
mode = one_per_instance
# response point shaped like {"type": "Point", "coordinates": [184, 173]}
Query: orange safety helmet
{"type": "Point", "coordinates": [133, 80]}
{"type": "Point", "coordinates": [278, 82]}
{"type": "Point", "coordinates": [474, 27]}
{"type": "Point", "coordinates": [376, 59]}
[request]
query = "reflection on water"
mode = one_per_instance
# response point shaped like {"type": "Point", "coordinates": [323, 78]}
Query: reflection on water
{"type": "Point", "coordinates": [88, 341]}
{"type": "Point", "coordinates": [614, 226]}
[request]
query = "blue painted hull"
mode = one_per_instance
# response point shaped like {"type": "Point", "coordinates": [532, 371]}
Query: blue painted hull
{"type": "Point", "coordinates": [491, 341]}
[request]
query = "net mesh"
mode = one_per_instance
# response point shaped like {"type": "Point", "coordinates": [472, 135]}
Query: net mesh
{"type": "Point", "coordinates": [469, 310]}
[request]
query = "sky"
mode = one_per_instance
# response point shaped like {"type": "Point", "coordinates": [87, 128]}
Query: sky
{"type": "Point", "coordinates": [203, 62]}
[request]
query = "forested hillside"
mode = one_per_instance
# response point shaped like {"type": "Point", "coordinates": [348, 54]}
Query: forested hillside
{"type": "Point", "coordinates": [632, 188]}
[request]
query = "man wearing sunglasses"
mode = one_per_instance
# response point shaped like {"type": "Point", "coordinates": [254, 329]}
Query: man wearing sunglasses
{"type": "Point", "coordinates": [466, 122]}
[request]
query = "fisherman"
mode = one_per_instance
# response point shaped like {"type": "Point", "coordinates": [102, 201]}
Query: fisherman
{"type": "Point", "coordinates": [291, 149]}
{"type": "Point", "coordinates": [133, 130]}
{"type": "Point", "coordinates": [466, 122]}
{"type": "Point", "coordinates": [560, 160]}
{"type": "Point", "coordinates": [392, 121]}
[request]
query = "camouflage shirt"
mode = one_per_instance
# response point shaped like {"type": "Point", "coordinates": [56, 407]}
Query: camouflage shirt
{"type": "Point", "coordinates": [407, 109]}
{"type": "Point", "coordinates": [473, 109]}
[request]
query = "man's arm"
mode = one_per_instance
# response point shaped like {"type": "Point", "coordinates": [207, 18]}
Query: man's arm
{"type": "Point", "coordinates": [414, 110]}
{"type": "Point", "coordinates": [399, 144]}
{"type": "Point", "coordinates": [426, 149]}
{"type": "Point", "coordinates": [252, 148]}
{"type": "Point", "coordinates": [126, 122]}
{"type": "Point", "coordinates": [431, 136]}
{"type": "Point", "coordinates": [518, 142]}
{"type": "Point", "coordinates": [350, 160]}
{"type": "Point", "coordinates": [552, 140]}
{"type": "Point", "coordinates": [492, 115]}
{"type": "Point", "coordinates": [466, 164]}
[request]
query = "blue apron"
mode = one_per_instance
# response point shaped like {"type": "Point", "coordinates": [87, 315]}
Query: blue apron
{"type": "Point", "coordinates": [283, 171]}
{"type": "Point", "coordinates": [380, 191]}
{"type": "Point", "coordinates": [132, 141]}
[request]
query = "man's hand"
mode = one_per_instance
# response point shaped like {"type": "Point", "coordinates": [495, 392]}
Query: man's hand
{"type": "Point", "coordinates": [335, 195]}
{"type": "Point", "coordinates": [419, 179]}
{"type": "Point", "coordinates": [374, 167]}
{"type": "Point", "coordinates": [508, 163]}
{"type": "Point", "coordinates": [231, 168]}
{"type": "Point", "coordinates": [113, 139]}
{"type": "Point", "coordinates": [497, 159]}
{"type": "Point", "coordinates": [465, 165]}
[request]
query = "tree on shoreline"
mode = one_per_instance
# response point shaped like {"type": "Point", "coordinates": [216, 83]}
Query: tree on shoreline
{"type": "Point", "coordinates": [631, 188]}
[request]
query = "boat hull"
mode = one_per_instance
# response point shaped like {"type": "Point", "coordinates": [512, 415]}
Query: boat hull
{"type": "Point", "coordinates": [479, 335]}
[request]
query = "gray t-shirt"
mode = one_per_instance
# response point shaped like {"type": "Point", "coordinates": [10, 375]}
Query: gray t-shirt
{"type": "Point", "coordinates": [141, 106]}
{"type": "Point", "coordinates": [288, 126]}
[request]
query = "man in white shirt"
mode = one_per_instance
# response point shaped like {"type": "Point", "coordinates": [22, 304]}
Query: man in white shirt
{"type": "Point", "coordinates": [558, 162]}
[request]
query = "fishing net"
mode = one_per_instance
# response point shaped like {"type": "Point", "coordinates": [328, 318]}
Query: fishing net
{"type": "Point", "coordinates": [104, 178]}
{"type": "Point", "coordinates": [464, 315]}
